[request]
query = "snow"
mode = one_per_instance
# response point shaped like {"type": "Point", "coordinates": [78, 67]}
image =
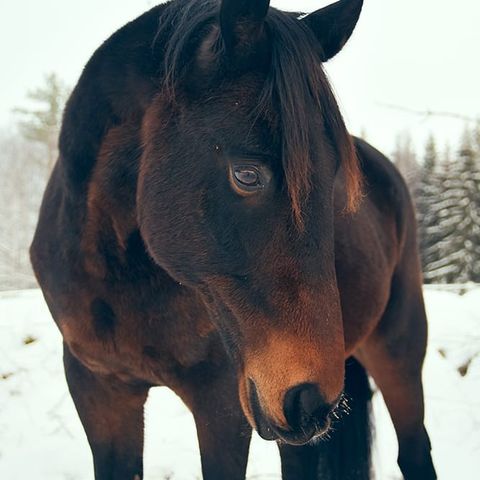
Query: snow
{"type": "Point", "coordinates": [41, 436]}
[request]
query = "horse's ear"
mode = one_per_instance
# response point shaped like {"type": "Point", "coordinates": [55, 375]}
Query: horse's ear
{"type": "Point", "coordinates": [333, 25]}
{"type": "Point", "coordinates": [241, 22]}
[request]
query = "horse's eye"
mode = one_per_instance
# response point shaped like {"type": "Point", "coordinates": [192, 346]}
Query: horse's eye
{"type": "Point", "coordinates": [247, 177]}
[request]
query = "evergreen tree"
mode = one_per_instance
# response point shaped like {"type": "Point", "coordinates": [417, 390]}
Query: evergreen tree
{"type": "Point", "coordinates": [447, 208]}
{"type": "Point", "coordinates": [469, 228]}
{"type": "Point", "coordinates": [405, 159]}
{"type": "Point", "coordinates": [27, 155]}
{"type": "Point", "coordinates": [458, 252]}
{"type": "Point", "coordinates": [427, 195]}
{"type": "Point", "coordinates": [476, 140]}
{"type": "Point", "coordinates": [448, 203]}
{"type": "Point", "coordinates": [41, 124]}
{"type": "Point", "coordinates": [363, 134]}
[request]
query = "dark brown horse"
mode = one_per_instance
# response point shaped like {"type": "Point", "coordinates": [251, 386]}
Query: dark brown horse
{"type": "Point", "coordinates": [206, 228]}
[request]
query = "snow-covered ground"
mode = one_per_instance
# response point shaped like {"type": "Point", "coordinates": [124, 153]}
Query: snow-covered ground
{"type": "Point", "coordinates": [41, 437]}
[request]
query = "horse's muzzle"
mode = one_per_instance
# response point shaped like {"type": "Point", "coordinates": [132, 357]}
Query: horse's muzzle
{"type": "Point", "coordinates": [305, 410]}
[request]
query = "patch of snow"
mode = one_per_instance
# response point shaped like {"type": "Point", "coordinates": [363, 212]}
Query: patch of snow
{"type": "Point", "coordinates": [41, 436]}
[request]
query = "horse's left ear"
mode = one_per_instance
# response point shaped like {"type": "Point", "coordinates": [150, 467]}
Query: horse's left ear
{"type": "Point", "coordinates": [242, 21]}
{"type": "Point", "coordinates": [333, 25]}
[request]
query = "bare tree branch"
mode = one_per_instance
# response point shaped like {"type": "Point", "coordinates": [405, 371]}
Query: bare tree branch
{"type": "Point", "coordinates": [428, 113]}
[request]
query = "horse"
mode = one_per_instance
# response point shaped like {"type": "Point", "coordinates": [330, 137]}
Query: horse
{"type": "Point", "coordinates": [211, 226]}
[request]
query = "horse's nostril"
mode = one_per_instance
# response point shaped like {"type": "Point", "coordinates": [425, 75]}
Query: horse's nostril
{"type": "Point", "coordinates": [304, 406]}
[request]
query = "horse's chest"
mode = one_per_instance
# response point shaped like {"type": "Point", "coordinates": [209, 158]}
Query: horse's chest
{"type": "Point", "coordinates": [137, 339]}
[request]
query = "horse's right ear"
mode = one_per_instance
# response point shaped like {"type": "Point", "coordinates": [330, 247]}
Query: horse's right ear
{"type": "Point", "coordinates": [242, 23]}
{"type": "Point", "coordinates": [334, 24]}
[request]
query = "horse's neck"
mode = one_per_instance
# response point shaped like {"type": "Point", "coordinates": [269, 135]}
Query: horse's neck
{"type": "Point", "coordinates": [110, 230]}
{"type": "Point", "coordinates": [117, 83]}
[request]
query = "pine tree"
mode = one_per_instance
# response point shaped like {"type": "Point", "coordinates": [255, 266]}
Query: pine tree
{"type": "Point", "coordinates": [364, 134]}
{"type": "Point", "coordinates": [458, 207]}
{"type": "Point", "coordinates": [27, 155]}
{"type": "Point", "coordinates": [447, 207]}
{"type": "Point", "coordinates": [405, 159]}
{"type": "Point", "coordinates": [476, 139]}
{"type": "Point", "coordinates": [41, 124]}
{"type": "Point", "coordinates": [469, 228]}
{"type": "Point", "coordinates": [427, 194]}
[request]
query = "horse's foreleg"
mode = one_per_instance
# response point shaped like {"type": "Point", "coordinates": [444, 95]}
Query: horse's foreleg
{"type": "Point", "coordinates": [299, 463]}
{"type": "Point", "coordinates": [394, 357]}
{"type": "Point", "coordinates": [223, 432]}
{"type": "Point", "coordinates": [112, 416]}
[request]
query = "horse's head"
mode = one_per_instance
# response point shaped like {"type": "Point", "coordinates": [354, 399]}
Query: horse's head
{"type": "Point", "coordinates": [241, 151]}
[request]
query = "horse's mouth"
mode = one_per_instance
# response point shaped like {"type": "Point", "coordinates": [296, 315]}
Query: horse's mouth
{"type": "Point", "coordinates": [268, 432]}
{"type": "Point", "coordinates": [310, 430]}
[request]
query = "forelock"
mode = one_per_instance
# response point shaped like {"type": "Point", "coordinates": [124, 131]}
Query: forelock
{"type": "Point", "coordinates": [295, 84]}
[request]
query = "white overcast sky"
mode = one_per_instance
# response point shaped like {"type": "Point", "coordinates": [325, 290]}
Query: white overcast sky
{"type": "Point", "coordinates": [418, 54]}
